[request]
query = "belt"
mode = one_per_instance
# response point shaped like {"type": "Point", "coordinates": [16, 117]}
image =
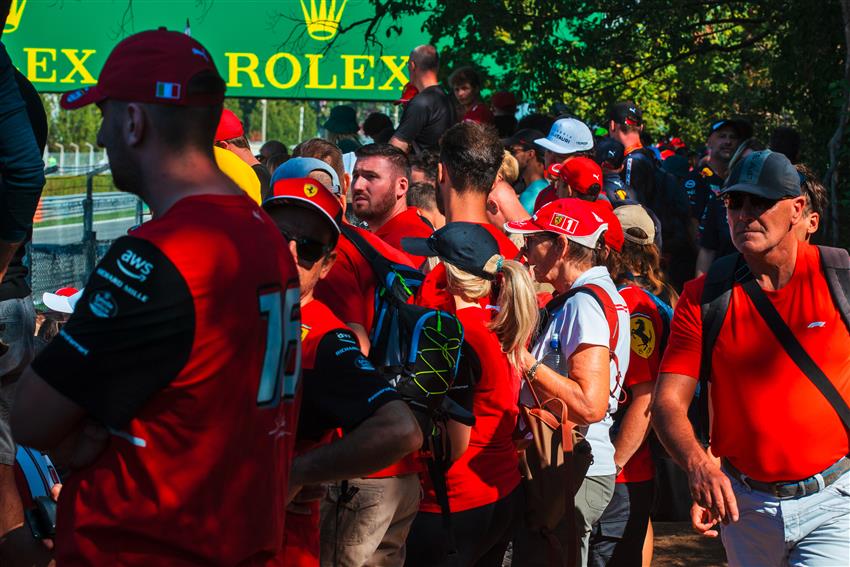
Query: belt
{"type": "Point", "coordinates": [792, 489]}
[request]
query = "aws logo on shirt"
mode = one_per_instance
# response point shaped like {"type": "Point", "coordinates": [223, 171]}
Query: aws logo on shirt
{"type": "Point", "coordinates": [134, 266]}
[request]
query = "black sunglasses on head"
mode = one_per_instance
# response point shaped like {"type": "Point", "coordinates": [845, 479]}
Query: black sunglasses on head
{"type": "Point", "coordinates": [309, 250]}
{"type": "Point", "coordinates": [735, 201]}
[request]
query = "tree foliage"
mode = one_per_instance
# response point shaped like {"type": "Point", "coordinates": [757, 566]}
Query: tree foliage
{"type": "Point", "coordinates": [686, 62]}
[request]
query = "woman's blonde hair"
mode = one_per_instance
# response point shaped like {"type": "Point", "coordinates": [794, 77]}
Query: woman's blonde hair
{"type": "Point", "coordinates": [509, 170]}
{"type": "Point", "coordinates": [517, 302]}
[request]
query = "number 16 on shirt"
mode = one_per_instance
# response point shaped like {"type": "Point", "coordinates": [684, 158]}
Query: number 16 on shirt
{"type": "Point", "coordinates": [282, 359]}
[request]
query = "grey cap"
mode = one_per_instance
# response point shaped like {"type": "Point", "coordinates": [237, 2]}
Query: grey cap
{"type": "Point", "coordinates": [765, 174]}
{"type": "Point", "coordinates": [299, 167]}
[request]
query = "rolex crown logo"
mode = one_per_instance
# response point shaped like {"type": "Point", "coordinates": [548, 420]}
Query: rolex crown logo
{"type": "Point", "coordinates": [322, 22]}
{"type": "Point", "coordinates": [15, 12]}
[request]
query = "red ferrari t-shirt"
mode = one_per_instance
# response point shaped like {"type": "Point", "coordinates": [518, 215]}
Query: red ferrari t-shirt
{"type": "Point", "coordinates": [769, 420]}
{"type": "Point", "coordinates": [646, 330]}
{"type": "Point", "coordinates": [489, 469]}
{"type": "Point", "coordinates": [406, 224]}
{"type": "Point", "coordinates": [349, 292]}
{"type": "Point", "coordinates": [349, 289]}
{"type": "Point", "coordinates": [433, 292]}
{"type": "Point", "coordinates": [186, 345]}
{"type": "Point", "coordinates": [340, 389]}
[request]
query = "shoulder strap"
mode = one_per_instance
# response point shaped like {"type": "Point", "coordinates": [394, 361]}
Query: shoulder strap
{"type": "Point", "coordinates": [836, 268]}
{"type": "Point", "coordinates": [367, 250]}
{"type": "Point", "coordinates": [714, 304]}
{"type": "Point", "coordinates": [608, 309]}
{"type": "Point", "coordinates": [795, 350]}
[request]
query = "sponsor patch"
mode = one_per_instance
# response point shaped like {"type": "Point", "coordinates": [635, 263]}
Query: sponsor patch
{"type": "Point", "coordinates": [565, 223]}
{"type": "Point", "coordinates": [690, 184]}
{"type": "Point", "coordinates": [170, 91]}
{"type": "Point", "coordinates": [76, 95]}
{"type": "Point", "coordinates": [134, 266]}
{"type": "Point", "coordinates": [102, 304]}
{"type": "Point", "coordinates": [642, 336]}
{"type": "Point", "coordinates": [363, 363]}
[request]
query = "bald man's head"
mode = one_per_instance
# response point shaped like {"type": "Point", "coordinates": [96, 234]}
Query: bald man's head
{"type": "Point", "coordinates": [425, 58]}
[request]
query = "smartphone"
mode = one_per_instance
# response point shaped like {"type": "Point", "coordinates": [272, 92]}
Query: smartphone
{"type": "Point", "coordinates": [42, 518]}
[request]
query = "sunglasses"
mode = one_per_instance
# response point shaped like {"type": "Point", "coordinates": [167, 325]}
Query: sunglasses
{"type": "Point", "coordinates": [309, 251]}
{"type": "Point", "coordinates": [735, 201]}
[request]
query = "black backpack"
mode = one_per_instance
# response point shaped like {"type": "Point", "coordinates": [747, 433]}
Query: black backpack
{"type": "Point", "coordinates": [418, 350]}
{"type": "Point", "coordinates": [669, 202]}
{"type": "Point", "coordinates": [714, 304]}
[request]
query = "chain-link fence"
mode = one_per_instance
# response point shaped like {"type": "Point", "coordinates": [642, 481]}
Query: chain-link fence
{"type": "Point", "coordinates": [77, 220]}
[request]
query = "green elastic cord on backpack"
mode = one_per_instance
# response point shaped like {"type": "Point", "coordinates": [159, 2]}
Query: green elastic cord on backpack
{"type": "Point", "coordinates": [445, 347]}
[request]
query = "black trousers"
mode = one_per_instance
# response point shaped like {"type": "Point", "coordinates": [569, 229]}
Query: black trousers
{"type": "Point", "coordinates": [617, 538]}
{"type": "Point", "coordinates": [481, 535]}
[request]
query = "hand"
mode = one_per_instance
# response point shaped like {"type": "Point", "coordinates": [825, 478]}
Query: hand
{"type": "Point", "coordinates": [711, 489]}
{"type": "Point", "coordinates": [702, 521]}
{"type": "Point", "coordinates": [301, 503]}
{"type": "Point", "coordinates": [54, 493]}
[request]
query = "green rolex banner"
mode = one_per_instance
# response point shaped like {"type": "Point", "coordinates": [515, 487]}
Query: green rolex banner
{"type": "Point", "coordinates": [263, 48]}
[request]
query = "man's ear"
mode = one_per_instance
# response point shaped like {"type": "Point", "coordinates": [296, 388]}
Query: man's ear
{"type": "Point", "coordinates": [492, 207]}
{"type": "Point", "coordinates": [402, 184]}
{"type": "Point", "coordinates": [327, 264]}
{"type": "Point", "coordinates": [133, 124]}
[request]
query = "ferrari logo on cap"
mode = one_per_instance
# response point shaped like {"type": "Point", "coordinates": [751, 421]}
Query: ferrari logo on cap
{"type": "Point", "coordinates": [310, 190]}
{"type": "Point", "coordinates": [565, 223]}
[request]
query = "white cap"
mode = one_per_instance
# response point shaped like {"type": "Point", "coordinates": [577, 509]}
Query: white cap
{"type": "Point", "coordinates": [63, 301]}
{"type": "Point", "coordinates": [567, 136]}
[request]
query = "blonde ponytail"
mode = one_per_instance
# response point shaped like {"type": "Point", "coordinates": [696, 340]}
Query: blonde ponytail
{"type": "Point", "coordinates": [518, 311]}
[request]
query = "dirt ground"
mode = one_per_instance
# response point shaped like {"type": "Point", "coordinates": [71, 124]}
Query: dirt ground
{"type": "Point", "coordinates": [676, 545]}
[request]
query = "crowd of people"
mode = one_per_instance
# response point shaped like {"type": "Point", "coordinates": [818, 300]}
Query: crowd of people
{"type": "Point", "coordinates": [353, 354]}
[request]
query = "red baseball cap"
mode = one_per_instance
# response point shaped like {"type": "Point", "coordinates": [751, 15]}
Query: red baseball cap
{"type": "Point", "coordinates": [229, 126]}
{"type": "Point", "coordinates": [150, 67]}
{"type": "Point", "coordinates": [575, 218]}
{"type": "Point", "coordinates": [407, 94]}
{"type": "Point", "coordinates": [581, 174]}
{"type": "Point", "coordinates": [614, 236]}
{"type": "Point", "coordinates": [554, 170]}
{"type": "Point", "coordinates": [503, 100]}
{"type": "Point", "coordinates": [306, 192]}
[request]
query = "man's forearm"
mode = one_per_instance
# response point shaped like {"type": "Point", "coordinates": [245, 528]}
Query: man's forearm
{"type": "Point", "coordinates": [383, 439]}
{"type": "Point", "coordinates": [671, 424]}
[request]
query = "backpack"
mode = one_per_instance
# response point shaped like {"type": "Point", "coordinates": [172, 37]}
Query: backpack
{"type": "Point", "coordinates": [717, 293]}
{"type": "Point", "coordinates": [558, 456]}
{"type": "Point", "coordinates": [670, 203]}
{"type": "Point", "coordinates": [418, 350]}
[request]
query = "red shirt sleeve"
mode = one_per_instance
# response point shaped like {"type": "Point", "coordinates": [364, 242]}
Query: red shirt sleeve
{"type": "Point", "coordinates": [685, 343]}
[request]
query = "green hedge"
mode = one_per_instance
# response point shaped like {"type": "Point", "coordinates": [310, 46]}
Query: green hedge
{"type": "Point", "coordinates": [60, 185]}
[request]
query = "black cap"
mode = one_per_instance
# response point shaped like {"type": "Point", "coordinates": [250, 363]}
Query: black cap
{"type": "Point", "coordinates": [524, 138]}
{"type": "Point", "coordinates": [626, 112]}
{"type": "Point", "coordinates": [609, 152]}
{"type": "Point", "coordinates": [766, 174]}
{"type": "Point", "coordinates": [465, 245]}
{"type": "Point", "coordinates": [742, 127]}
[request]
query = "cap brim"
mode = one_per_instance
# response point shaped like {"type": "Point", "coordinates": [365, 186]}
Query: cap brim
{"type": "Point", "coordinates": [548, 144]}
{"type": "Point", "coordinates": [757, 190]}
{"type": "Point", "coordinates": [526, 226]}
{"type": "Point", "coordinates": [61, 303]}
{"type": "Point", "coordinates": [301, 202]}
{"type": "Point", "coordinates": [417, 246]}
{"type": "Point", "coordinates": [81, 97]}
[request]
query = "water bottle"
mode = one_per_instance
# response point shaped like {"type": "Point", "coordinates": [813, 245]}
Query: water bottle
{"type": "Point", "coordinates": [554, 359]}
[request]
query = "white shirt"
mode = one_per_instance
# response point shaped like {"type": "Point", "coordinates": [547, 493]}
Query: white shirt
{"type": "Point", "coordinates": [581, 321]}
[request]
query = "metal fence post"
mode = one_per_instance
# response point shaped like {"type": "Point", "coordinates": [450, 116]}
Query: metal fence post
{"type": "Point", "coordinates": [89, 235]}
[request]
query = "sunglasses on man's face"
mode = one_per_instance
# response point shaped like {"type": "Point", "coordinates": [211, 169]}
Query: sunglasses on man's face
{"type": "Point", "coordinates": [735, 201]}
{"type": "Point", "coordinates": [309, 251]}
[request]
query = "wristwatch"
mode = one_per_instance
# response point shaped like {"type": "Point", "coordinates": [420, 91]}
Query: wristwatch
{"type": "Point", "coordinates": [531, 375]}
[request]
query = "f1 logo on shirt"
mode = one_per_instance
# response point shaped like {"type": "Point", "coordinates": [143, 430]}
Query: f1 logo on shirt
{"type": "Point", "coordinates": [134, 266]}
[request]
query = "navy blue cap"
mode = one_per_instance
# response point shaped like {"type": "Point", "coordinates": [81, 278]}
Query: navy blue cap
{"type": "Point", "coordinates": [465, 245]}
